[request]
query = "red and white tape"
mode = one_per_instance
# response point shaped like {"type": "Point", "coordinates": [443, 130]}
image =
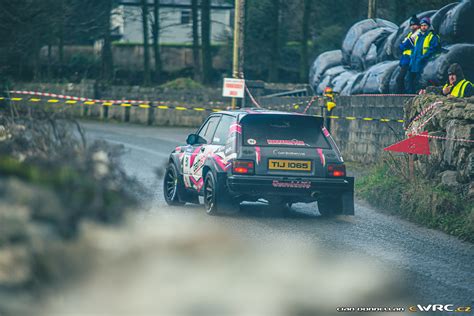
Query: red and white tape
{"type": "Point", "coordinates": [252, 98]}
{"type": "Point", "coordinates": [310, 103]}
{"type": "Point", "coordinates": [446, 138]}
{"type": "Point", "coordinates": [426, 110]}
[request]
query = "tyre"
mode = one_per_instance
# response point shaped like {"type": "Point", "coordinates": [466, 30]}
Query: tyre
{"type": "Point", "coordinates": [216, 198]}
{"type": "Point", "coordinates": [172, 186]}
{"type": "Point", "coordinates": [330, 206]}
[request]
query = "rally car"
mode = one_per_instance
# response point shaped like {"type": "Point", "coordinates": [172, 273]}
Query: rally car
{"type": "Point", "coordinates": [253, 154]}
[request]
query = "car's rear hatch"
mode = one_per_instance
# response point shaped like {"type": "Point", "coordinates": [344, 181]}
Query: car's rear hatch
{"type": "Point", "coordinates": [285, 145]}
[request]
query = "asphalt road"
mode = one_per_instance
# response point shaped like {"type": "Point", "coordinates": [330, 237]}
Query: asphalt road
{"type": "Point", "coordinates": [424, 266]}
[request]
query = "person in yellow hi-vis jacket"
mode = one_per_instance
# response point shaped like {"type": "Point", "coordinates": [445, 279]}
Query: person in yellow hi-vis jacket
{"type": "Point", "coordinates": [426, 46]}
{"type": "Point", "coordinates": [457, 85]}
{"type": "Point", "coordinates": [406, 47]}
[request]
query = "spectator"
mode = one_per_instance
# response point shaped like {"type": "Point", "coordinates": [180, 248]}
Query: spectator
{"type": "Point", "coordinates": [425, 46]}
{"type": "Point", "coordinates": [457, 85]}
{"type": "Point", "coordinates": [406, 48]}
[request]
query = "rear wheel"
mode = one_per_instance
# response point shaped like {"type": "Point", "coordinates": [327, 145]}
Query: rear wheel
{"type": "Point", "coordinates": [171, 186]}
{"type": "Point", "coordinates": [216, 198]}
{"type": "Point", "coordinates": [328, 207]}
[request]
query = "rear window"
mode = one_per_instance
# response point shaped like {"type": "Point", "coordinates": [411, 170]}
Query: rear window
{"type": "Point", "coordinates": [283, 130]}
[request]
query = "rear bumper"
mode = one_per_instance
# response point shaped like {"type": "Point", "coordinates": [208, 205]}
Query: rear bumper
{"type": "Point", "coordinates": [289, 186]}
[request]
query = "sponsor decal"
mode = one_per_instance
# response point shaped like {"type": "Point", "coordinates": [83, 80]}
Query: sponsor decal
{"type": "Point", "coordinates": [235, 128]}
{"type": "Point", "coordinates": [251, 141]}
{"type": "Point", "coordinates": [187, 182]}
{"type": "Point", "coordinates": [197, 183]}
{"type": "Point", "coordinates": [292, 184]}
{"type": "Point", "coordinates": [193, 156]}
{"type": "Point", "coordinates": [199, 164]}
{"type": "Point", "coordinates": [321, 156]}
{"type": "Point", "coordinates": [220, 162]}
{"type": "Point", "coordinates": [292, 142]}
{"type": "Point", "coordinates": [287, 153]}
{"type": "Point", "coordinates": [228, 150]}
{"type": "Point", "coordinates": [258, 154]}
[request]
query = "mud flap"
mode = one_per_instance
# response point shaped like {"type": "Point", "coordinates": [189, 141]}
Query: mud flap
{"type": "Point", "coordinates": [348, 198]}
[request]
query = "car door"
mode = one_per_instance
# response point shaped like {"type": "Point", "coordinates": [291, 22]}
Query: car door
{"type": "Point", "coordinates": [195, 155]}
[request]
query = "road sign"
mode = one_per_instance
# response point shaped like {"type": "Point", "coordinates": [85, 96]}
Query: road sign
{"type": "Point", "coordinates": [233, 88]}
{"type": "Point", "coordinates": [417, 144]}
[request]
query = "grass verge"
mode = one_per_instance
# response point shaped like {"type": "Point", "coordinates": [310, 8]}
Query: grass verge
{"type": "Point", "coordinates": [421, 201]}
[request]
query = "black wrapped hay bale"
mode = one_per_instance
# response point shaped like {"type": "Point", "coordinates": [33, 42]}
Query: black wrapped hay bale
{"type": "Point", "coordinates": [323, 62]}
{"type": "Point", "coordinates": [436, 71]}
{"type": "Point", "coordinates": [458, 24]}
{"type": "Point", "coordinates": [364, 54]}
{"type": "Point", "coordinates": [356, 31]}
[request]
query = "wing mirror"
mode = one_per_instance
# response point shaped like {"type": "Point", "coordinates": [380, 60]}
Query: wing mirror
{"type": "Point", "coordinates": [194, 139]}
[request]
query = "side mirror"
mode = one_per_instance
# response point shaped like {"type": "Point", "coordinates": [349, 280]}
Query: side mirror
{"type": "Point", "coordinates": [195, 139]}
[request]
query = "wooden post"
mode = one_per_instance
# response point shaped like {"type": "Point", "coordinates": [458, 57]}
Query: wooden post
{"type": "Point", "coordinates": [237, 64]}
{"type": "Point", "coordinates": [411, 166]}
{"type": "Point", "coordinates": [372, 11]}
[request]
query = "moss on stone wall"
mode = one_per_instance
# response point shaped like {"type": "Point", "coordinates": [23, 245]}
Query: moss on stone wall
{"type": "Point", "coordinates": [426, 202]}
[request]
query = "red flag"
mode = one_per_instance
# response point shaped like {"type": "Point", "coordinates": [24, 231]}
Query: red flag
{"type": "Point", "coordinates": [414, 145]}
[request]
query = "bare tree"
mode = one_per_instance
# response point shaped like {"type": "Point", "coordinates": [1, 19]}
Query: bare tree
{"type": "Point", "coordinates": [206, 41]}
{"type": "Point", "coordinates": [275, 41]}
{"type": "Point", "coordinates": [304, 40]}
{"type": "Point", "coordinates": [107, 66]}
{"type": "Point", "coordinates": [195, 26]}
{"type": "Point", "coordinates": [146, 52]}
{"type": "Point", "coordinates": [156, 39]}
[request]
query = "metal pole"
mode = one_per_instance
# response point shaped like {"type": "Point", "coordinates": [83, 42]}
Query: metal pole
{"type": "Point", "coordinates": [235, 63]}
{"type": "Point", "coordinates": [372, 12]}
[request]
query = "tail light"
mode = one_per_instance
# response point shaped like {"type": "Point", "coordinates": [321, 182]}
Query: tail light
{"type": "Point", "coordinates": [243, 167]}
{"type": "Point", "coordinates": [337, 170]}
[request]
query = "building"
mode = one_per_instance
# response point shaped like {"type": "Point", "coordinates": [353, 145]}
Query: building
{"type": "Point", "coordinates": [175, 21]}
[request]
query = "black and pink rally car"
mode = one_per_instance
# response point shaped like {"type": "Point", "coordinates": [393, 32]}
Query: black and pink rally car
{"type": "Point", "coordinates": [254, 154]}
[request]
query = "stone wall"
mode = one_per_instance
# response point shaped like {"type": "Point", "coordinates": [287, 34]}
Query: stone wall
{"type": "Point", "coordinates": [452, 155]}
{"type": "Point", "coordinates": [363, 139]}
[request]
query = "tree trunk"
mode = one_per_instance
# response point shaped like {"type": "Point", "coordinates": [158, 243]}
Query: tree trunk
{"type": "Point", "coordinates": [61, 43]}
{"type": "Point", "coordinates": [156, 40]}
{"type": "Point", "coordinates": [206, 41]}
{"type": "Point", "coordinates": [49, 61]}
{"type": "Point", "coordinates": [400, 11]}
{"type": "Point", "coordinates": [37, 60]}
{"type": "Point", "coordinates": [304, 41]}
{"type": "Point", "coordinates": [146, 52]}
{"type": "Point", "coordinates": [196, 61]}
{"type": "Point", "coordinates": [275, 45]}
{"type": "Point", "coordinates": [107, 58]}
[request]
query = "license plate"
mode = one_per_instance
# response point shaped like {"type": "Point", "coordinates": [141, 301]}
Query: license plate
{"type": "Point", "coordinates": [280, 164]}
